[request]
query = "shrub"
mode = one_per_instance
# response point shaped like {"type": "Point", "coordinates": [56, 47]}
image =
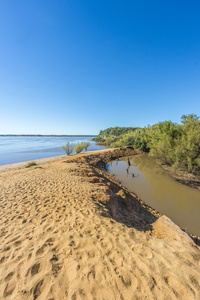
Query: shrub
{"type": "Point", "coordinates": [68, 148]}
{"type": "Point", "coordinates": [31, 164]}
{"type": "Point", "coordinates": [174, 144]}
{"type": "Point", "coordinates": [86, 145]}
{"type": "Point", "coordinates": [109, 135]}
{"type": "Point", "coordinates": [79, 147]}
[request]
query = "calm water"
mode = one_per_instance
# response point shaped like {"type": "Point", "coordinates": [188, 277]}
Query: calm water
{"type": "Point", "coordinates": [179, 202]}
{"type": "Point", "coordinates": [15, 149]}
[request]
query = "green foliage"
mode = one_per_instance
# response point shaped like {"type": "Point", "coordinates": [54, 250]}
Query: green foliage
{"type": "Point", "coordinates": [86, 145]}
{"type": "Point", "coordinates": [188, 150]}
{"type": "Point", "coordinates": [138, 138]}
{"type": "Point", "coordinates": [162, 140]}
{"type": "Point", "coordinates": [110, 135]}
{"type": "Point", "coordinates": [31, 164]}
{"type": "Point", "coordinates": [68, 148]}
{"type": "Point", "coordinates": [175, 145]}
{"type": "Point", "coordinates": [79, 147]}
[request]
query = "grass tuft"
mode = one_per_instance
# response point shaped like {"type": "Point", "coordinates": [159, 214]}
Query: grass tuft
{"type": "Point", "coordinates": [31, 164]}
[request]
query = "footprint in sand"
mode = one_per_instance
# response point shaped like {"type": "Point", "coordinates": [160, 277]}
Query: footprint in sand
{"type": "Point", "coordinates": [35, 269]}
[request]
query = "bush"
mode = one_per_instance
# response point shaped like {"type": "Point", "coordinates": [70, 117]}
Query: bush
{"type": "Point", "coordinates": [175, 145]}
{"type": "Point", "coordinates": [31, 164]}
{"type": "Point", "coordinates": [68, 148]}
{"type": "Point", "coordinates": [79, 147]}
{"type": "Point", "coordinates": [109, 135]}
{"type": "Point", "coordinates": [86, 145]}
{"type": "Point", "coordinates": [137, 138]}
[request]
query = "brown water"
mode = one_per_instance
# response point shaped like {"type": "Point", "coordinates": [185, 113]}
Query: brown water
{"type": "Point", "coordinates": [154, 186]}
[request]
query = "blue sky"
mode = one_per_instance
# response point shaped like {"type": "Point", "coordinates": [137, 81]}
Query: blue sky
{"type": "Point", "coordinates": [76, 67]}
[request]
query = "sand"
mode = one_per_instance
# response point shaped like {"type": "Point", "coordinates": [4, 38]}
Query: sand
{"type": "Point", "coordinates": [70, 230]}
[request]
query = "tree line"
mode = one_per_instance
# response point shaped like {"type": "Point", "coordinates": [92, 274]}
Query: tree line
{"type": "Point", "coordinates": [177, 145]}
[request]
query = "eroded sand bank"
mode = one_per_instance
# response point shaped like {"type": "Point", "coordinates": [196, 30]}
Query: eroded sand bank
{"type": "Point", "coordinates": [70, 230]}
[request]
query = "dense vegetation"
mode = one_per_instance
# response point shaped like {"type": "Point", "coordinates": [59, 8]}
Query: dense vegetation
{"type": "Point", "coordinates": [112, 134]}
{"type": "Point", "coordinates": [174, 144]}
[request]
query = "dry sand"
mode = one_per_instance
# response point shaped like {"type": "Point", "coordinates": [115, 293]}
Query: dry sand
{"type": "Point", "coordinates": [70, 230]}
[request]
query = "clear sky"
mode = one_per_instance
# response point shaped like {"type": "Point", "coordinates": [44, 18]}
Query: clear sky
{"type": "Point", "coordinates": [79, 66]}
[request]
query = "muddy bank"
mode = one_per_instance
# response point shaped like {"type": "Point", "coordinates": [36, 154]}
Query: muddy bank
{"type": "Point", "coordinates": [183, 177]}
{"type": "Point", "coordinates": [124, 206]}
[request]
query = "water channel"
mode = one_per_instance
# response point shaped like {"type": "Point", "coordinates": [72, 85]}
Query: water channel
{"type": "Point", "coordinates": [154, 186]}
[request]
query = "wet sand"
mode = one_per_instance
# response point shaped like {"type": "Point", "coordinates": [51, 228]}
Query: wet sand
{"type": "Point", "coordinates": [70, 230]}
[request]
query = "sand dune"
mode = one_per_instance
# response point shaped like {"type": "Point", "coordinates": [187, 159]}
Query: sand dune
{"type": "Point", "coordinates": [69, 230]}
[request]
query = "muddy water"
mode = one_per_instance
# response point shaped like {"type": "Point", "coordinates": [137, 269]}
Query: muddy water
{"type": "Point", "coordinates": [154, 186]}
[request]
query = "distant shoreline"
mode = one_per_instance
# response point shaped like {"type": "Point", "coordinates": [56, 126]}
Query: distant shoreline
{"type": "Point", "coordinates": [15, 149]}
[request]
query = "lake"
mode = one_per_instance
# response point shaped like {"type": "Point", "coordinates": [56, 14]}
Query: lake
{"type": "Point", "coordinates": [154, 186]}
{"type": "Point", "coordinates": [15, 149]}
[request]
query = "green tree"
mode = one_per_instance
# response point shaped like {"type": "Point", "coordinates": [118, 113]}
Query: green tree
{"type": "Point", "coordinates": [162, 141]}
{"type": "Point", "coordinates": [79, 147]}
{"type": "Point", "coordinates": [68, 148]}
{"type": "Point", "coordinates": [189, 145]}
{"type": "Point", "coordinates": [86, 145]}
{"type": "Point", "coordinates": [175, 145]}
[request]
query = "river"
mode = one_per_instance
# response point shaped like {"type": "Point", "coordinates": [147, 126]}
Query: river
{"type": "Point", "coordinates": [154, 186]}
{"type": "Point", "coordinates": [15, 149]}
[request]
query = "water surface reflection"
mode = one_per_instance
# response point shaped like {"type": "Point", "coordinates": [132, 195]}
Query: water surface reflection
{"type": "Point", "coordinates": [151, 183]}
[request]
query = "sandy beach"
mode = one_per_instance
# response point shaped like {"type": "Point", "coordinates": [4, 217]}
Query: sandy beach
{"type": "Point", "coordinates": [70, 230]}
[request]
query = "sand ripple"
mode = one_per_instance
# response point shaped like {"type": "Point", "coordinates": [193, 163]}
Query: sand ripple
{"type": "Point", "coordinates": [59, 241]}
